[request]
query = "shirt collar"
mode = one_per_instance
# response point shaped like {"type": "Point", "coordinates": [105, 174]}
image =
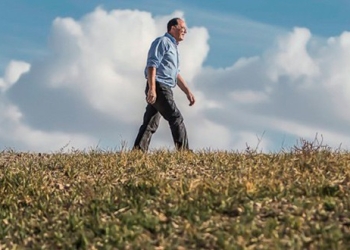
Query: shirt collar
{"type": "Point", "coordinates": [171, 38]}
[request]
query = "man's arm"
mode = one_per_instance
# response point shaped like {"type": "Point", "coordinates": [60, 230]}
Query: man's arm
{"type": "Point", "coordinates": [151, 80]}
{"type": "Point", "coordinates": [183, 86]}
{"type": "Point", "coordinates": [155, 55]}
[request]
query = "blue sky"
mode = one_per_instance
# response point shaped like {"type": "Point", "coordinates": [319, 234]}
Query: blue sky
{"type": "Point", "coordinates": [272, 61]}
{"type": "Point", "coordinates": [25, 24]}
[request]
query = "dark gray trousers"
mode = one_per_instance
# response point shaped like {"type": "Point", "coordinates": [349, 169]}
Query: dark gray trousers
{"type": "Point", "coordinates": [164, 106]}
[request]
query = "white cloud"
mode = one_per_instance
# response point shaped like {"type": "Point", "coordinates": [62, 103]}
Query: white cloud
{"type": "Point", "coordinates": [90, 88]}
{"type": "Point", "coordinates": [288, 89]}
{"type": "Point", "coordinates": [13, 72]}
{"type": "Point", "coordinates": [248, 96]}
{"type": "Point", "coordinates": [292, 59]}
{"type": "Point", "coordinates": [22, 137]}
{"type": "Point", "coordinates": [92, 83]}
{"type": "Point", "coordinates": [193, 52]}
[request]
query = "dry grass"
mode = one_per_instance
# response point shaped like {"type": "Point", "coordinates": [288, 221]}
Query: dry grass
{"type": "Point", "coordinates": [176, 200]}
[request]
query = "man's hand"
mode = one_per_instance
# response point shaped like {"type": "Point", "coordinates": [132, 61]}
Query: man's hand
{"type": "Point", "coordinates": [151, 96]}
{"type": "Point", "coordinates": [191, 98]}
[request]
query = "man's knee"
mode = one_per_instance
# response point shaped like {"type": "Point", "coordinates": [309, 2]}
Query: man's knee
{"type": "Point", "coordinates": [176, 120]}
{"type": "Point", "coordinates": [154, 123]}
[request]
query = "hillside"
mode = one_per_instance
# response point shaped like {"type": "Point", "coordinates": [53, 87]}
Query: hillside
{"type": "Point", "coordinates": [175, 200]}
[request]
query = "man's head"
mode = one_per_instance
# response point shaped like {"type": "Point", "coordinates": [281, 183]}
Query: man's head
{"type": "Point", "coordinates": [177, 28]}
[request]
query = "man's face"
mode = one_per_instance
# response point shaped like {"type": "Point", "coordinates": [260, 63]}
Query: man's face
{"type": "Point", "coordinates": [179, 31]}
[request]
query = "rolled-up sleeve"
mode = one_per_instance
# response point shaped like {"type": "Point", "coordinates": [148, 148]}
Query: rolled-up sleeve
{"type": "Point", "coordinates": [156, 53]}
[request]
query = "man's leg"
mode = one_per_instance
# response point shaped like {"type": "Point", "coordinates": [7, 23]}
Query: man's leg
{"type": "Point", "coordinates": [166, 106]}
{"type": "Point", "coordinates": [149, 126]}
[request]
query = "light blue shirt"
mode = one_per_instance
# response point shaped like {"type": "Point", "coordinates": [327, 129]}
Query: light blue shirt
{"type": "Point", "coordinates": [164, 56]}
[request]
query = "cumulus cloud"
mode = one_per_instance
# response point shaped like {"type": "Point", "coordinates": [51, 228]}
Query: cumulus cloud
{"type": "Point", "coordinates": [292, 59]}
{"type": "Point", "coordinates": [298, 88]}
{"type": "Point", "coordinates": [15, 134]}
{"type": "Point", "coordinates": [13, 72]}
{"type": "Point", "coordinates": [92, 82]}
{"type": "Point", "coordinates": [89, 90]}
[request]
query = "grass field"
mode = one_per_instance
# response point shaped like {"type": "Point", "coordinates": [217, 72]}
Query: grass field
{"type": "Point", "coordinates": [176, 200]}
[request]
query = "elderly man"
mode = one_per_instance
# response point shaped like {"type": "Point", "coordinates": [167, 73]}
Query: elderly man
{"type": "Point", "coordinates": [162, 74]}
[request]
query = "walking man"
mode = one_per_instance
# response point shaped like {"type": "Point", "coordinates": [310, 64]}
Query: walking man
{"type": "Point", "coordinates": [162, 74]}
